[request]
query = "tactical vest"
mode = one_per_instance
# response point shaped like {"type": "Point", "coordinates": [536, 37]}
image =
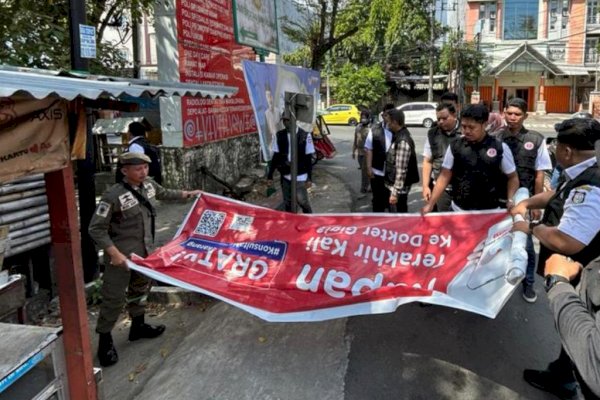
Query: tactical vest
{"type": "Point", "coordinates": [379, 150]}
{"type": "Point", "coordinates": [524, 147]}
{"type": "Point", "coordinates": [412, 174]}
{"type": "Point", "coordinates": [476, 170]}
{"type": "Point", "coordinates": [554, 212]}
{"type": "Point", "coordinates": [439, 142]}
{"type": "Point", "coordinates": [282, 161]}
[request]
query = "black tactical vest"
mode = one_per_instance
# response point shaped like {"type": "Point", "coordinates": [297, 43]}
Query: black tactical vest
{"type": "Point", "coordinates": [524, 148]}
{"type": "Point", "coordinates": [475, 173]}
{"type": "Point", "coordinates": [281, 158]}
{"type": "Point", "coordinates": [379, 150]}
{"type": "Point", "coordinates": [555, 209]}
{"type": "Point", "coordinates": [439, 142]}
{"type": "Point", "coordinates": [412, 174]}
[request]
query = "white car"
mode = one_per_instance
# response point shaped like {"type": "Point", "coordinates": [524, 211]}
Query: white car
{"type": "Point", "coordinates": [419, 113]}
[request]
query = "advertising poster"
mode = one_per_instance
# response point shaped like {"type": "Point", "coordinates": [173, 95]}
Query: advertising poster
{"type": "Point", "coordinates": [208, 54]}
{"type": "Point", "coordinates": [256, 24]}
{"type": "Point", "coordinates": [290, 267]}
{"type": "Point", "coordinates": [267, 84]}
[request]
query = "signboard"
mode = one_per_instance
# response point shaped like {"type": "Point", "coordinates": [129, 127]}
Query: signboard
{"type": "Point", "coordinates": [34, 136]}
{"type": "Point", "coordinates": [208, 54]}
{"type": "Point", "coordinates": [87, 40]}
{"type": "Point", "coordinates": [267, 84]}
{"type": "Point", "coordinates": [293, 267]}
{"type": "Point", "coordinates": [256, 24]}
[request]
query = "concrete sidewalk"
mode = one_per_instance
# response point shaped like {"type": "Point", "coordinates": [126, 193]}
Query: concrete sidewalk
{"type": "Point", "coordinates": [194, 341]}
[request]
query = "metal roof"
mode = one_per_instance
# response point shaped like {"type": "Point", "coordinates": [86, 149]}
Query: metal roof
{"type": "Point", "coordinates": [525, 50]}
{"type": "Point", "coordinates": [44, 84]}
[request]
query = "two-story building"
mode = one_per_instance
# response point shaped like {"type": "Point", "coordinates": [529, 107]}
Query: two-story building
{"type": "Point", "coordinates": [544, 51]}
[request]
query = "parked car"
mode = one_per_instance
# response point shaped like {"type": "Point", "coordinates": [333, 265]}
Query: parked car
{"type": "Point", "coordinates": [341, 114]}
{"type": "Point", "coordinates": [419, 113]}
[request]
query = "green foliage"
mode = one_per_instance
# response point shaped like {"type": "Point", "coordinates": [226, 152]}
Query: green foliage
{"type": "Point", "coordinates": [359, 85]}
{"type": "Point", "coordinates": [465, 55]}
{"type": "Point", "coordinates": [299, 58]}
{"type": "Point", "coordinates": [36, 33]}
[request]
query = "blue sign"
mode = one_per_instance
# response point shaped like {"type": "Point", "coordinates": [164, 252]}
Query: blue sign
{"type": "Point", "coordinates": [87, 40]}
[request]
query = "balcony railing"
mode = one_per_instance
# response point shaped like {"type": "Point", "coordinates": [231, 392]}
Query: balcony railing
{"type": "Point", "coordinates": [591, 56]}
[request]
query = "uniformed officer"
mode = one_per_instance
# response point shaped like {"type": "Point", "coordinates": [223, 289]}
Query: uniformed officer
{"type": "Point", "coordinates": [438, 139]}
{"type": "Point", "coordinates": [532, 160]}
{"type": "Point", "coordinates": [124, 224]}
{"type": "Point", "coordinates": [473, 164]}
{"type": "Point", "coordinates": [378, 142]}
{"type": "Point", "coordinates": [570, 226]}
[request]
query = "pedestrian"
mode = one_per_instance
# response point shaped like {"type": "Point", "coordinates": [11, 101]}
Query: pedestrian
{"type": "Point", "coordinates": [570, 226]}
{"type": "Point", "coordinates": [281, 161]}
{"type": "Point", "coordinates": [532, 161]}
{"type": "Point", "coordinates": [473, 164]}
{"type": "Point", "coordinates": [401, 168]}
{"type": "Point", "coordinates": [575, 311]}
{"type": "Point", "coordinates": [358, 148]}
{"type": "Point", "coordinates": [437, 142]}
{"type": "Point", "coordinates": [123, 224]}
{"type": "Point", "coordinates": [139, 144]}
{"type": "Point", "coordinates": [377, 144]}
{"type": "Point", "coordinates": [496, 123]}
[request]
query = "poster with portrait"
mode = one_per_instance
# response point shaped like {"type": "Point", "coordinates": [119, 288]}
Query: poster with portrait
{"type": "Point", "coordinates": [267, 84]}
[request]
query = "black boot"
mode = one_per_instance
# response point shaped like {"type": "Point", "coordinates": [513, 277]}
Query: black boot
{"type": "Point", "coordinates": [548, 381]}
{"type": "Point", "coordinates": [141, 330]}
{"type": "Point", "coordinates": [107, 354]}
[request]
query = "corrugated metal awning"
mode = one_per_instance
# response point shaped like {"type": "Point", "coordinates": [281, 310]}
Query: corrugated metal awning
{"type": "Point", "coordinates": [42, 85]}
{"type": "Point", "coordinates": [116, 125]}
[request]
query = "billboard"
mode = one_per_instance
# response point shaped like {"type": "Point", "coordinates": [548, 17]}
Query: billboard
{"type": "Point", "coordinates": [256, 24]}
{"type": "Point", "coordinates": [267, 84]}
{"type": "Point", "coordinates": [208, 54]}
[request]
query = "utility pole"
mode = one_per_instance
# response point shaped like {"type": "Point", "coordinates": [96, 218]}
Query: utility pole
{"type": "Point", "coordinates": [431, 55]}
{"type": "Point", "coordinates": [77, 17]}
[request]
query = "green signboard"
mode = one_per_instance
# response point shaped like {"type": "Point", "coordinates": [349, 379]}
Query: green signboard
{"type": "Point", "coordinates": [255, 24]}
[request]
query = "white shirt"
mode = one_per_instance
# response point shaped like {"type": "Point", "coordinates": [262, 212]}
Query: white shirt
{"type": "Point", "coordinates": [507, 165]}
{"type": "Point", "coordinates": [543, 161]}
{"type": "Point", "coordinates": [134, 147]}
{"type": "Point", "coordinates": [309, 148]}
{"type": "Point", "coordinates": [369, 146]}
{"type": "Point", "coordinates": [581, 217]}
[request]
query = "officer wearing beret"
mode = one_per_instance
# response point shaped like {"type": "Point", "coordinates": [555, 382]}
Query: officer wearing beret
{"type": "Point", "coordinates": [570, 226]}
{"type": "Point", "coordinates": [124, 224]}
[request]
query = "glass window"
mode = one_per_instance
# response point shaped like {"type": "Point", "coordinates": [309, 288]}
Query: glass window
{"type": "Point", "coordinates": [521, 19]}
{"type": "Point", "coordinates": [565, 14]}
{"type": "Point", "coordinates": [492, 15]}
{"type": "Point", "coordinates": [553, 15]}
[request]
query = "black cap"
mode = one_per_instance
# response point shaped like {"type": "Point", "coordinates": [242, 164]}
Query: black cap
{"type": "Point", "coordinates": [579, 133]}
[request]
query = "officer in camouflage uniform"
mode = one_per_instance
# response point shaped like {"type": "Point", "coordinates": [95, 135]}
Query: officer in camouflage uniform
{"type": "Point", "coordinates": [124, 224]}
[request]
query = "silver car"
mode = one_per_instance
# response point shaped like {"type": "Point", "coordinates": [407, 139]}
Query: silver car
{"type": "Point", "coordinates": [419, 113]}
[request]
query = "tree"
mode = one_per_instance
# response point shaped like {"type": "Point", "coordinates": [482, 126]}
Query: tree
{"type": "Point", "coordinates": [360, 85]}
{"type": "Point", "coordinates": [463, 56]}
{"type": "Point", "coordinates": [324, 24]}
{"type": "Point", "coordinates": [36, 33]}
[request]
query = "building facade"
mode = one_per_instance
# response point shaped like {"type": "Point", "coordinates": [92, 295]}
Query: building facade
{"type": "Point", "coordinates": [544, 51]}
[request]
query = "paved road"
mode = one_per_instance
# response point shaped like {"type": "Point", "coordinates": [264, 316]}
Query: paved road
{"type": "Point", "coordinates": [436, 352]}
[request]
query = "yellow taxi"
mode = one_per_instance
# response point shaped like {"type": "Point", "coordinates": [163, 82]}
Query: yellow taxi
{"type": "Point", "coordinates": [341, 114]}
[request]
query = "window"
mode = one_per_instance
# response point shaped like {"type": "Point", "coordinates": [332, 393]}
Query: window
{"type": "Point", "coordinates": [565, 14]}
{"type": "Point", "coordinates": [487, 14]}
{"type": "Point", "coordinates": [553, 15]}
{"type": "Point", "coordinates": [591, 50]}
{"type": "Point", "coordinates": [521, 19]}
{"type": "Point", "coordinates": [592, 12]}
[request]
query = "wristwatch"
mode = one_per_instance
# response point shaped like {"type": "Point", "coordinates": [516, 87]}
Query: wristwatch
{"type": "Point", "coordinates": [552, 280]}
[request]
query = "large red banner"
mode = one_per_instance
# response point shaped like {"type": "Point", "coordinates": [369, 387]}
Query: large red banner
{"type": "Point", "coordinates": [288, 267]}
{"type": "Point", "coordinates": [208, 54]}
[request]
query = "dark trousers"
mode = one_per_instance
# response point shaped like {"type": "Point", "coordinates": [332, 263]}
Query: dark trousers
{"type": "Point", "coordinates": [301, 196]}
{"type": "Point", "coordinates": [530, 273]}
{"type": "Point", "coordinates": [381, 194]}
{"type": "Point", "coordinates": [364, 176]}
{"type": "Point", "coordinates": [402, 205]}
{"type": "Point", "coordinates": [444, 203]}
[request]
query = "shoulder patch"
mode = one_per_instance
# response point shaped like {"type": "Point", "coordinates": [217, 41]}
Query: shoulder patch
{"type": "Point", "coordinates": [127, 201]}
{"type": "Point", "coordinates": [150, 189]}
{"type": "Point", "coordinates": [578, 197]}
{"type": "Point", "coordinates": [102, 209]}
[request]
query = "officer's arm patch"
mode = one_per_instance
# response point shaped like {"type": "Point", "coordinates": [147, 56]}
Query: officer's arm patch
{"type": "Point", "coordinates": [127, 201]}
{"type": "Point", "coordinates": [102, 209]}
{"type": "Point", "coordinates": [578, 197]}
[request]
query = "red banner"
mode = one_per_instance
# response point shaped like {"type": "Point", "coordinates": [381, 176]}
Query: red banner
{"type": "Point", "coordinates": [287, 267]}
{"type": "Point", "coordinates": [208, 54]}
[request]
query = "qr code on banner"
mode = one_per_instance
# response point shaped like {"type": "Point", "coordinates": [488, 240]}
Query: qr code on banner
{"type": "Point", "coordinates": [241, 223]}
{"type": "Point", "coordinates": [210, 223]}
